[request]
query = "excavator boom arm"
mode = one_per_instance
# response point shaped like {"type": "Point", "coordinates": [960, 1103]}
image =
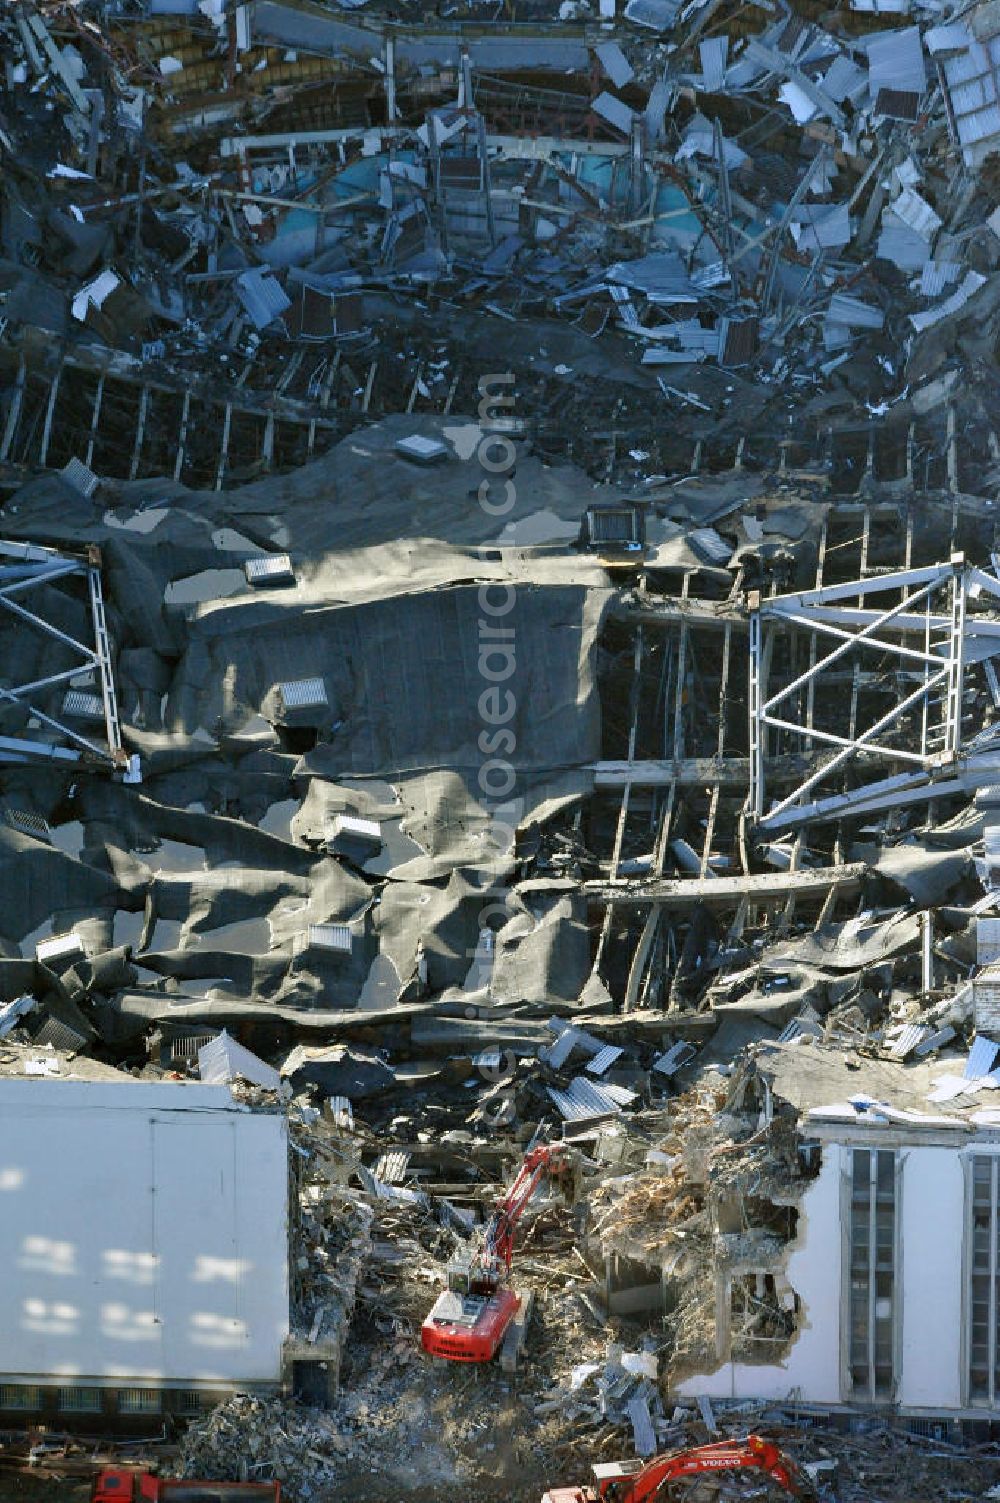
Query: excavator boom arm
{"type": "Point", "coordinates": [753, 1453]}
{"type": "Point", "coordinates": [538, 1162]}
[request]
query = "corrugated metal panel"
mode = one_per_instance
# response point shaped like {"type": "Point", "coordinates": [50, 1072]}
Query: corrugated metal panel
{"type": "Point", "coordinates": [699, 140]}
{"type": "Point", "coordinates": [981, 1058]}
{"type": "Point", "coordinates": [615, 64]}
{"type": "Point", "coordinates": [916, 213]}
{"type": "Point", "coordinates": [900, 245]}
{"type": "Point", "coordinates": [822, 226]}
{"type": "Point", "coordinates": [706, 540]}
{"type": "Point", "coordinates": [341, 1112]}
{"type": "Point", "coordinates": [383, 1191]}
{"type": "Point", "coordinates": [799, 1028]}
{"type": "Point", "coordinates": [970, 284]}
{"type": "Point", "coordinates": [262, 296]}
{"type": "Point", "coordinates": [656, 110]}
{"type": "Point", "coordinates": [662, 276]}
{"type": "Point", "coordinates": [792, 36]}
{"type": "Point", "coordinates": [603, 1060]}
{"type": "Point", "coordinates": [835, 336]}
{"type": "Point", "coordinates": [984, 125]}
{"type": "Point", "coordinates": [854, 313]}
{"type": "Point", "coordinates": [618, 1093]}
{"type": "Point", "coordinates": [273, 568]}
{"type": "Point", "coordinates": [714, 54]}
{"type": "Point", "coordinates": [936, 1041]}
{"type": "Point", "coordinates": [330, 937]}
{"type": "Point", "coordinates": [660, 355]}
{"type": "Point", "coordinates": [658, 14]}
{"type": "Point", "coordinates": [614, 111]}
{"type": "Point", "coordinates": [715, 274]}
{"type": "Point", "coordinates": [584, 1099]}
{"type": "Point", "coordinates": [970, 78]}
{"type": "Point", "coordinates": [896, 61]}
{"type": "Point", "coordinates": [897, 104]}
{"type": "Point", "coordinates": [912, 1035]}
{"type": "Point", "coordinates": [690, 335]}
{"type": "Point", "coordinates": [391, 1168]}
{"type": "Point", "coordinates": [937, 275]}
{"type": "Point", "coordinates": [624, 306]}
{"type": "Point", "coordinates": [739, 340]}
{"type": "Point", "coordinates": [303, 694]}
{"type": "Point", "coordinates": [987, 940]}
{"type": "Point", "coordinates": [559, 1052]}
{"type": "Point", "coordinates": [955, 36]}
{"type": "Point", "coordinates": [82, 706]}
{"type": "Point", "coordinates": [676, 1057]}
{"type": "Point", "coordinates": [642, 1426]}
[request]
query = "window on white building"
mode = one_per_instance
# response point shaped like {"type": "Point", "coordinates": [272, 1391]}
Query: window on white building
{"type": "Point", "coordinates": [984, 1272]}
{"type": "Point", "coordinates": [872, 1274]}
{"type": "Point", "coordinates": [81, 1400]}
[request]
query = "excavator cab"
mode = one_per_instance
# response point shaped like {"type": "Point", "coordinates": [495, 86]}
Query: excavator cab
{"type": "Point", "coordinates": [469, 1276]}
{"type": "Point", "coordinates": [459, 1273]}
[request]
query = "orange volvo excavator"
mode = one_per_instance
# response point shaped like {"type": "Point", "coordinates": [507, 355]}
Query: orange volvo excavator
{"type": "Point", "coordinates": [636, 1481]}
{"type": "Point", "coordinates": [469, 1321]}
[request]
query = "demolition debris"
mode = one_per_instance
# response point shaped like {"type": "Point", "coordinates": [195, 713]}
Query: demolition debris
{"type": "Point", "coordinates": [500, 597]}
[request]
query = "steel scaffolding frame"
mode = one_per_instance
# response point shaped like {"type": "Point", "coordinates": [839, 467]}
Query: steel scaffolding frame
{"type": "Point", "coordinates": [27, 568]}
{"type": "Point", "coordinates": [928, 626]}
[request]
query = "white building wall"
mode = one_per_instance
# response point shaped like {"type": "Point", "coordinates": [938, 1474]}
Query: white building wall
{"type": "Point", "coordinates": [143, 1233]}
{"type": "Point", "coordinates": [811, 1370]}
{"type": "Point", "coordinates": [930, 1289]}
{"type": "Point", "coordinates": [932, 1234]}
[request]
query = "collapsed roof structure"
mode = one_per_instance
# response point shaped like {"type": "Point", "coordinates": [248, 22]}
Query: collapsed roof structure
{"type": "Point", "coordinates": [500, 588]}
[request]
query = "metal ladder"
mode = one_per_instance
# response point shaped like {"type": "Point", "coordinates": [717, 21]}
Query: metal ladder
{"type": "Point", "coordinates": [102, 643]}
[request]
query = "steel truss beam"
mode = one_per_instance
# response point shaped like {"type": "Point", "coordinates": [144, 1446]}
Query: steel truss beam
{"type": "Point", "coordinates": [27, 570]}
{"type": "Point", "coordinates": [932, 634]}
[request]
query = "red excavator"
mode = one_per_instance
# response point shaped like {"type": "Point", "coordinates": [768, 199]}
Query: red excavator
{"type": "Point", "coordinates": [118, 1485]}
{"type": "Point", "coordinates": [634, 1481]}
{"type": "Point", "coordinates": [472, 1317]}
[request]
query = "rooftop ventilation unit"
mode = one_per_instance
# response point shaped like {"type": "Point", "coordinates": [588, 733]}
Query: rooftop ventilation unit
{"type": "Point", "coordinates": [269, 569]}
{"type": "Point", "coordinates": [59, 947]}
{"type": "Point", "coordinates": [82, 706]}
{"type": "Point", "coordinates": [354, 837]}
{"type": "Point", "coordinates": [332, 937]}
{"type": "Point", "coordinates": [26, 823]}
{"type": "Point", "coordinates": [613, 529]}
{"type": "Point", "coordinates": [301, 697]}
